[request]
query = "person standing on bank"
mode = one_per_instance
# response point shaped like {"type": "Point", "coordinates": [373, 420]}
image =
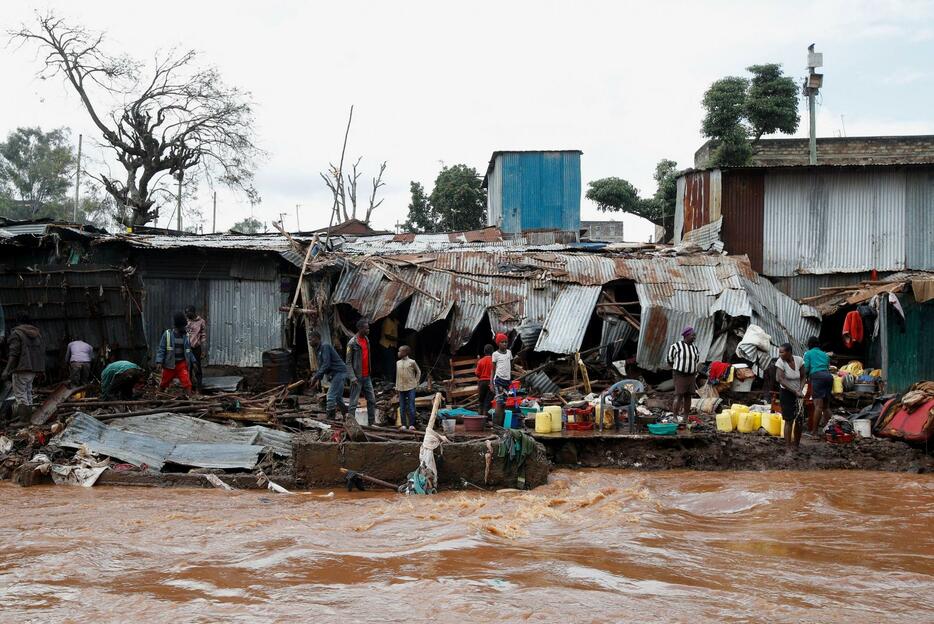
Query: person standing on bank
{"type": "Point", "coordinates": [817, 369]}
{"type": "Point", "coordinates": [502, 377]}
{"type": "Point", "coordinates": [358, 361]}
{"type": "Point", "coordinates": [197, 336]}
{"type": "Point", "coordinates": [79, 354]}
{"type": "Point", "coordinates": [788, 374]}
{"type": "Point", "coordinates": [407, 377]}
{"type": "Point", "coordinates": [329, 363]}
{"type": "Point", "coordinates": [484, 373]}
{"type": "Point", "coordinates": [174, 356]}
{"type": "Point", "coordinates": [684, 357]}
{"type": "Point", "coordinates": [26, 360]}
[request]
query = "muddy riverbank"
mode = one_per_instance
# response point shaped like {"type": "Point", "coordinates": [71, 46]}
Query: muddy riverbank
{"type": "Point", "coordinates": [735, 452]}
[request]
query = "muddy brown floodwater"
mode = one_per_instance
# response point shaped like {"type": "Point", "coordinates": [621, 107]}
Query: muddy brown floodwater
{"type": "Point", "coordinates": [591, 546]}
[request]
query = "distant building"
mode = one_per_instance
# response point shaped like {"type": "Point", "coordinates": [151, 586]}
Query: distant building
{"type": "Point", "coordinates": [534, 190]}
{"type": "Point", "coordinates": [867, 205]}
{"type": "Point", "coordinates": [607, 231]}
{"type": "Point", "coordinates": [877, 150]}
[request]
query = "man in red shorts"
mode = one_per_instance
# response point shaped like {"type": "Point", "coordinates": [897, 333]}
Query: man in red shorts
{"type": "Point", "coordinates": [174, 355]}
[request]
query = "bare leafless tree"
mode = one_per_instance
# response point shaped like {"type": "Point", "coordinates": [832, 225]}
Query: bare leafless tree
{"type": "Point", "coordinates": [377, 184]}
{"type": "Point", "coordinates": [159, 121]}
{"type": "Point", "coordinates": [334, 179]}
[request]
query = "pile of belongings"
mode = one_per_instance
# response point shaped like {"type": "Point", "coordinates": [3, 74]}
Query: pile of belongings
{"type": "Point", "coordinates": [756, 346]}
{"type": "Point", "coordinates": [912, 417]}
{"type": "Point", "coordinates": [839, 431]}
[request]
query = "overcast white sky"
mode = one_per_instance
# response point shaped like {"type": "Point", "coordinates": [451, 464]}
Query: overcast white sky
{"type": "Point", "coordinates": [437, 82]}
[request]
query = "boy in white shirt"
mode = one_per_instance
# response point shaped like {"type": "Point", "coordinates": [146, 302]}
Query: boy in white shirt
{"type": "Point", "coordinates": [502, 376]}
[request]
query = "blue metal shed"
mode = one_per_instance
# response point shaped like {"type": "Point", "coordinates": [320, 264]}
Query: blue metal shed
{"type": "Point", "coordinates": [534, 190]}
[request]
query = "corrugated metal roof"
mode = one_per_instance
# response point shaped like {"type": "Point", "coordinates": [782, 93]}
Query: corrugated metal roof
{"type": "Point", "coordinates": [259, 242]}
{"type": "Point", "coordinates": [155, 452]}
{"type": "Point", "coordinates": [706, 236]}
{"type": "Point", "coordinates": [567, 321]}
{"type": "Point", "coordinates": [425, 310]}
{"type": "Point", "coordinates": [24, 229]}
{"type": "Point", "coordinates": [180, 428]}
{"type": "Point", "coordinates": [560, 289]}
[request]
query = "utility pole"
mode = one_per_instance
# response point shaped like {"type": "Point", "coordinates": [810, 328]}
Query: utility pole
{"type": "Point", "coordinates": [298, 226]}
{"type": "Point", "coordinates": [812, 85]}
{"type": "Point", "coordinates": [214, 222]}
{"type": "Point", "coordinates": [74, 217]}
{"type": "Point", "coordinates": [181, 174]}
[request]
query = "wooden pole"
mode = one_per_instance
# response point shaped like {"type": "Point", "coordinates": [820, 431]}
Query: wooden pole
{"type": "Point", "coordinates": [373, 480]}
{"type": "Point", "coordinates": [435, 406]}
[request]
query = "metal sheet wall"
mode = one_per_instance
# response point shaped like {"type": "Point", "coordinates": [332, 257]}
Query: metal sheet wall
{"type": "Point", "coordinates": [910, 357]}
{"type": "Point", "coordinates": [540, 190]}
{"type": "Point", "coordinates": [97, 305]}
{"type": "Point", "coordinates": [163, 297]}
{"type": "Point", "coordinates": [834, 221]}
{"type": "Point", "coordinates": [742, 205]}
{"type": "Point", "coordinates": [919, 218]}
{"type": "Point", "coordinates": [244, 320]}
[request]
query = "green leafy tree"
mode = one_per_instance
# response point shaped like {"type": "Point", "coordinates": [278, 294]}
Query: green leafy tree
{"type": "Point", "coordinates": [725, 103]}
{"type": "Point", "coordinates": [458, 199]}
{"type": "Point", "coordinates": [618, 195]}
{"type": "Point", "coordinates": [36, 168]}
{"type": "Point", "coordinates": [249, 226]}
{"type": "Point", "coordinates": [739, 111]}
{"type": "Point", "coordinates": [666, 192]}
{"type": "Point", "coordinates": [771, 101]}
{"type": "Point", "coordinates": [422, 217]}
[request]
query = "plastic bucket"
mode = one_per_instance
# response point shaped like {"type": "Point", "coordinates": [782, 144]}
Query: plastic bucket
{"type": "Point", "coordinates": [448, 424]}
{"type": "Point", "coordinates": [863, 427]}
{"type": "Point", "coordinates": [554, 411]}
{"type": "Point", "coordinates": [542, 422]}
{"type": "Point", "coordinates": [724, 422]}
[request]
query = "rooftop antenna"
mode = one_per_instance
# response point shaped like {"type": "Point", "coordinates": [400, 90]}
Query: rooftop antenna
{"type": "Point", "coordinates": [812, 85]}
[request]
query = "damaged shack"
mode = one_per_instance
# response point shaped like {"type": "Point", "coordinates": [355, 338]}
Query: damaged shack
{"type": "Point", "coordinates": [449, 294]}
{"type": "Point", "coordinates": [443, 294]}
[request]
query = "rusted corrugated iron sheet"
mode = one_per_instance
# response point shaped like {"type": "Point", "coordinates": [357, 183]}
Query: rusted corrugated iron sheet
{"type": "Point", "coordinates": [697, 201]}
{"type": "Point", "coordinates": [567, 321]}
{"type": "Point", "coordinates": [743, 205]}
{"type": "Point", "coordinates": [368, 291]}
{"type": "Point", "coordinates": [661, 327]}
{"type": "Point", "coordinates": [426, 310]}
{"type": "Point", "coordinates": [559, 291]}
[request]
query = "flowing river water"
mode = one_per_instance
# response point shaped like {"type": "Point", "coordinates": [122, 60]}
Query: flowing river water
{"type": "Point", "coordinates": [591, 546]}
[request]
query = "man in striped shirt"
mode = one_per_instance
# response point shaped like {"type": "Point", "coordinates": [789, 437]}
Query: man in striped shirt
{"type": "Point", "coordinates": [683, 357]}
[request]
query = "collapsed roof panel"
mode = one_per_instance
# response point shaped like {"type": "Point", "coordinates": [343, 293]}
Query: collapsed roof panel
{"type": "Point", "coordinates": [567, 320]}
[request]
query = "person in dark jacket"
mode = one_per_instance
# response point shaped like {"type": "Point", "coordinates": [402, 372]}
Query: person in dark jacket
{"type": "Point", "coordinates": [329, 363]}
{"type": "Point", "coordinates": [174, 355]}
{"type": "Point", "coordinates": [26, 359]}
{"type": "Point", "coordinates": [358, 361]}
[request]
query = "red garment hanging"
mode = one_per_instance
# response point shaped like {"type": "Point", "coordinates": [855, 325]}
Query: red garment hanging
{"type": "Point", "coordinates": [852, 329]}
